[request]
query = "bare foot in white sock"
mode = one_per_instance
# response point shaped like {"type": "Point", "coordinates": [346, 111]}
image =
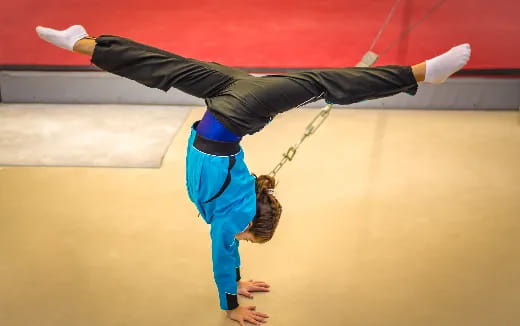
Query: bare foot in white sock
{"type": "Point", "coordinates": [441, 67]}
{"type": "Point", "coordinates": [64, 39]}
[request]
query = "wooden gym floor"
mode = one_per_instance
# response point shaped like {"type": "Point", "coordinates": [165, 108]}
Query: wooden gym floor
{"type": "Point", "coordinates": [390, 218]}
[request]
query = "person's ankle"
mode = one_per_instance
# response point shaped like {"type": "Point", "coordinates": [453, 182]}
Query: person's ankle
{"type": "Point", "coordinates": [419, 71]}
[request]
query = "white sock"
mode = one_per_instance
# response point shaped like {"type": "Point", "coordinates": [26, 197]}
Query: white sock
{"type": "Point", "coordinates": [438, 69]}
{"type": "Point", "coordinates": [63, 39]}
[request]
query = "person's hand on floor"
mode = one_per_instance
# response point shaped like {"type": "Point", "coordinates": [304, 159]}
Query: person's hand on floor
{"type": "Point", "coordinates": [246, 287]}
{"type": "Point", "coordinates": [243, 314]}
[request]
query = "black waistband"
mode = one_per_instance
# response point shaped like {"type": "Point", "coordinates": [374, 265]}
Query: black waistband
{"type": "Point", "coordinates": [216, 147]}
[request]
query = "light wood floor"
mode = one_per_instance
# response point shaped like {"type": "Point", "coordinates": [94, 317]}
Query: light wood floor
{"type": "Point", "coordinates": [390, 218]}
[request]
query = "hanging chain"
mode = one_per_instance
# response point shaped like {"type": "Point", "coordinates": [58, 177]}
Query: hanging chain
{"type": "Point", "coordinates": [309, 130]}
{"type": "Point", "coordinates": [411, 28]}
{"type": "Point", "coordinates": [368, 60]}
{"type": "Point", "coordinates": [383, 27]}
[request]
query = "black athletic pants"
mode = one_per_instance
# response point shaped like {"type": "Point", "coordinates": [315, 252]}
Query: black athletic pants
{"type": "Point", "coordinates": [243, 103]}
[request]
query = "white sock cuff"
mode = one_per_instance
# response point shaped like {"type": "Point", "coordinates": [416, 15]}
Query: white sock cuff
{"type": "Point", "coordinates": [441, 67]}
{"type": "Point", "coordinates": [65, 38]}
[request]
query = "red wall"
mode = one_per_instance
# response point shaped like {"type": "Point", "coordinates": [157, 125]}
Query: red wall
{"type": "Point", "coordinates": [270, 33]}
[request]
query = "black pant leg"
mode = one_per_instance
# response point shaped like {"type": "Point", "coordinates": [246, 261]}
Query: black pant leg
{"type": "Point", "coordinates": [351, 85]}
{"type": "Point", "coordinates": [274, 94]}
{"type": "Point", "coordinates": [160, 69]}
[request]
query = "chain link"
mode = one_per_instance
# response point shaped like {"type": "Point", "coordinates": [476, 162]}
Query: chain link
{"type": "Point", "coordinates": [309, 130]}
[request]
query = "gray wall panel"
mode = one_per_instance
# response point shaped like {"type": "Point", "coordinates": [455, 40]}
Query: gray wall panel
{"type": "Point", "coordinates": [85, 88]}
{"type": "Point", "coordinates": [102, 87]}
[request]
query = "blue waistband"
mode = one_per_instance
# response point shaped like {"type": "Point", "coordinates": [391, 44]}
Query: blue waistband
{"type": "Point", "coordinates": [209, 127]}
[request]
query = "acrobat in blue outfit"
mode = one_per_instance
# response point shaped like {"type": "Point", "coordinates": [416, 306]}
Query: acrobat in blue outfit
{"type": "Point", "coordinates": [217, 178]}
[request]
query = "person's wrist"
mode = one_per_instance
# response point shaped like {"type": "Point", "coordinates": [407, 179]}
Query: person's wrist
{"type": "Point", "coordinates": [230, 311]}
{"type": "Point", "coordinates": [232, 301]}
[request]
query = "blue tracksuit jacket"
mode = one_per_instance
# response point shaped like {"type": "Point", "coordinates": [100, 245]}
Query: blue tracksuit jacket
{"type": "Point", "coordinates": [228, 214]}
